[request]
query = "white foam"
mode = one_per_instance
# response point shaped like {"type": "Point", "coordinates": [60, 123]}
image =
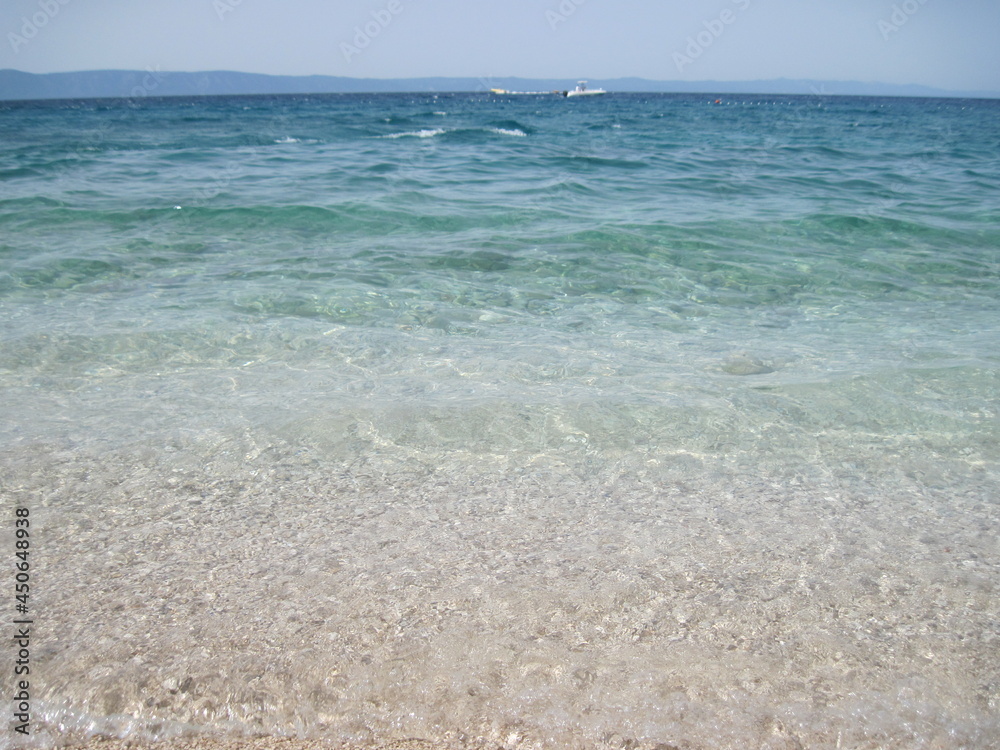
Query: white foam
{"type": "Point", "coordinates": [425, 133]}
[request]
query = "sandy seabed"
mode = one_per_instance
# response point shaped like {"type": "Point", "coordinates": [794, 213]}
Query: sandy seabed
{"type": "Point", "coordinates": [251, 743]}
{"type": "Point", "coordinates": [204, 598]}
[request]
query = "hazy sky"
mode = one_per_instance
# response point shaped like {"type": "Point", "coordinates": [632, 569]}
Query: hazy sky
{"type": "Point", "coordinates": [952, 44]}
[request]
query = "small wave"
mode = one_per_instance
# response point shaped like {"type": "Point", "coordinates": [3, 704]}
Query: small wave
{"type": "Point", "coordinates": [37, 201]}
{"type": "Point", "coordinates": [870, 222]}
{"type": "Point", "coordinates": [287, 139]}
{"type": "Point", "coordinates": [458, 133]}
{"type": "Point", "coordinates": [425, 133]}
{"type": "Point", "coordinates": [597, 161]}
{"type": "Point", "coordinates": [9, 174]}
{"type": "Point", "coordinates": [511, 125]}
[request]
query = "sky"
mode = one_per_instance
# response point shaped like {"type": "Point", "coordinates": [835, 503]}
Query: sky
{"type": "Point", "coordinates": [949, 44]}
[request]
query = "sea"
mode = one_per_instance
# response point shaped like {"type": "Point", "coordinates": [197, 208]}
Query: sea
{"type": "Point", "coordinates": [637, 421]}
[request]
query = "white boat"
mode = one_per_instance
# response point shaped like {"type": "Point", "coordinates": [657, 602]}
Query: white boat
{"type": "Point", "coordinates": [582, 90]}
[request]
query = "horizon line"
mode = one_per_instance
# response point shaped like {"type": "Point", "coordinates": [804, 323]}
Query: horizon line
{"type": "Point", "coordinates": [495, 81]}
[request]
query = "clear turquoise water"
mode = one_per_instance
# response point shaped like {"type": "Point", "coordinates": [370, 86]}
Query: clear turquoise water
{"type": "Point", "coordinates": [769, 324]}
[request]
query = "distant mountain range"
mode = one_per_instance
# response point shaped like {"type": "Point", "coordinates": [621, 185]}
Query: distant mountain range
{"type": "Point", "coordinates": [15, 85]}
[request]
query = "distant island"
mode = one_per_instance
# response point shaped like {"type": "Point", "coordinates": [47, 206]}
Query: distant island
{"type": "Point", "coordinates": [17, 85]}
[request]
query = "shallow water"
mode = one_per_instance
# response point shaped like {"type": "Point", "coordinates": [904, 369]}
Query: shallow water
{"type": "Point", "coordinates": [520, 421]}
